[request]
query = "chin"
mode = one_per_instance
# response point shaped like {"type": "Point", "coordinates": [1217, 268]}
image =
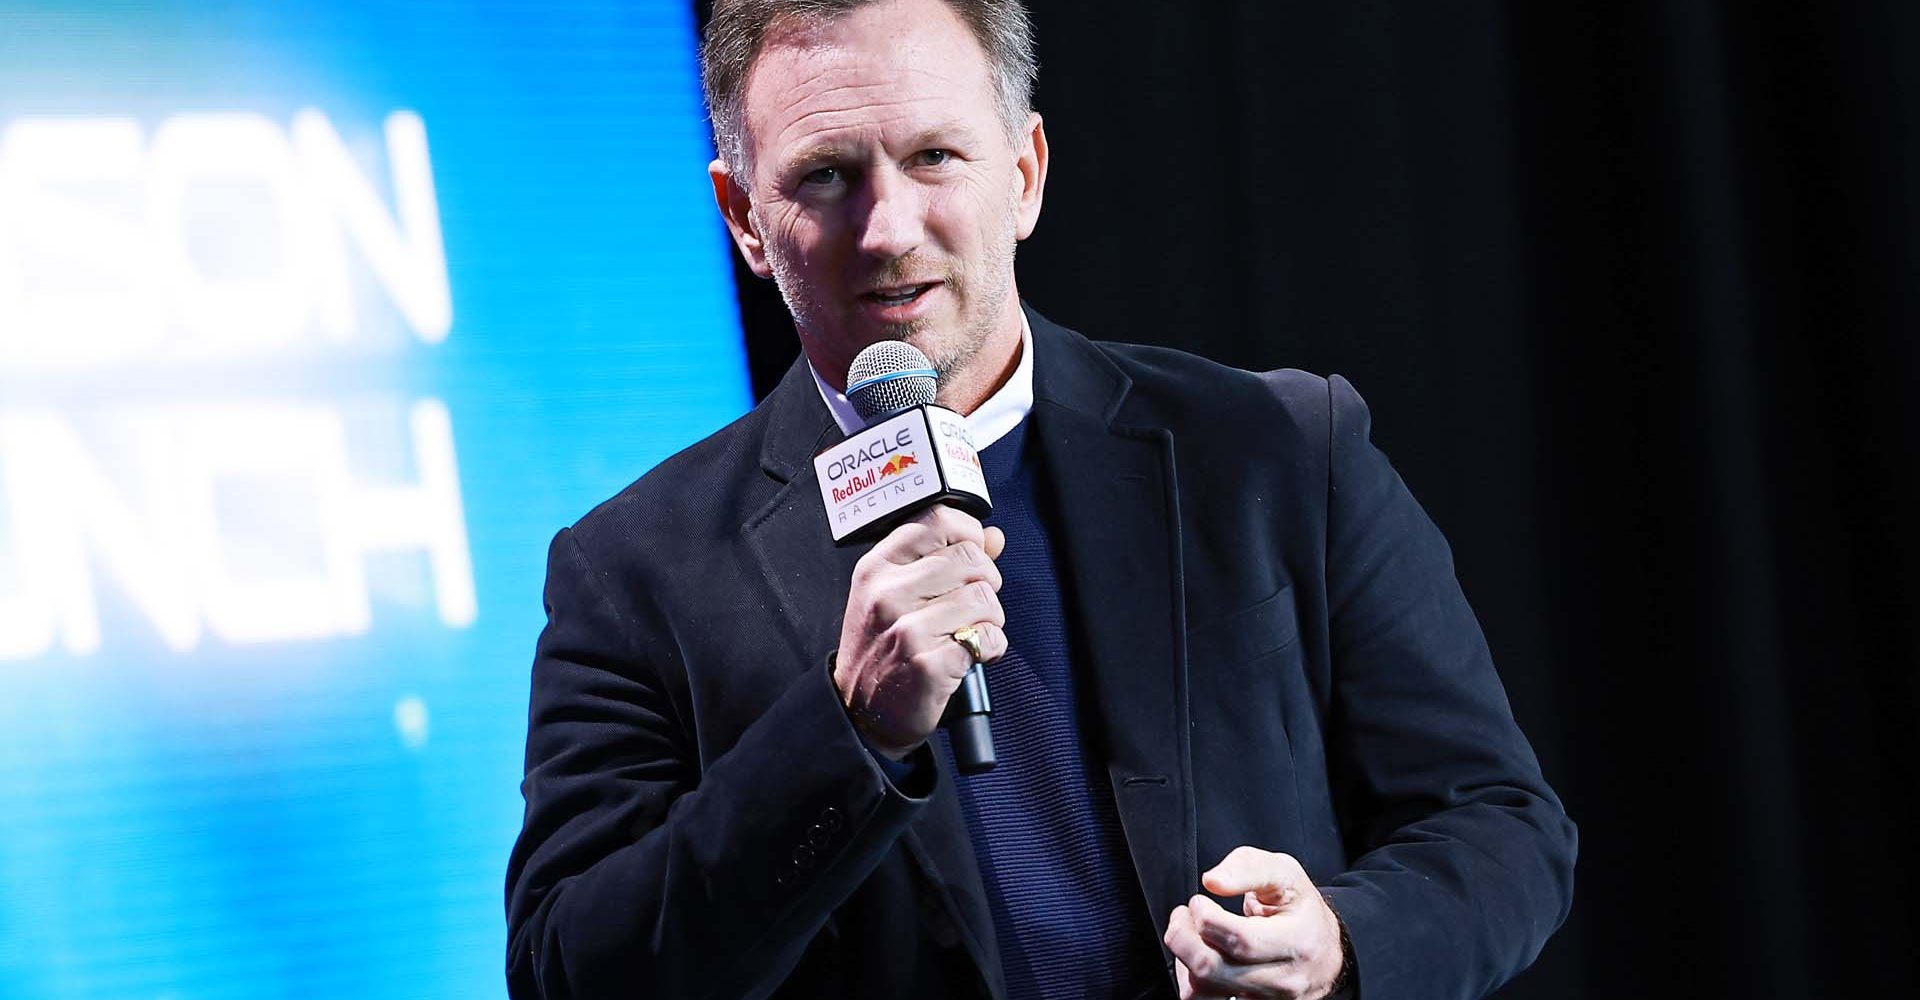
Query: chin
{"type": "Point", "coordinates": [949, 354]}
{"type": "Point", "coordinates": [922, 334]}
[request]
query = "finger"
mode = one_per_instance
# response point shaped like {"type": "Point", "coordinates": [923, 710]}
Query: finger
{"type": "Point", "coordinates": [1208, 973]}
{"type": "Point", "coordinates": [949, 657]}
{"type": "Point", "coordinates": [968, 604]}
{"type": "Point", "coordinates": [927, 531]}
{"type": "Point", "coordinates": [996, 542]}
{"type": "Point", "coordinates": [1251, 905]}
{"type": "Point", "coordinates": [941, 570]}
{"type": "Point", "coordinates": [949, 650]}
{"type": "Point", "coordinates": [935, 652]}
{"type": "Point", "coordinates": [993, 641]}
{"type": "Point", "coordinates": [1277, 879]}
{"type": "Point", "coordinates": [1242, 940]}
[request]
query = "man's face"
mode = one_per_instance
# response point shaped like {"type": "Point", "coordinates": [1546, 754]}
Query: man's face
{"type": "Point", "coordinates": [885, 198]}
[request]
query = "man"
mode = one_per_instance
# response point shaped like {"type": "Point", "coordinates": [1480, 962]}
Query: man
{"type": "Point", "coordinates": [1220, 629]}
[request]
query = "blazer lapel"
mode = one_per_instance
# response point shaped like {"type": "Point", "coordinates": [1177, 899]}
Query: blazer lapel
{"type": "Point", "coordinates": [788, 534]}
{"type": "Point", "coordinates": [1118, 523]}
{"type": "Point", "coordinates": [811, 576]}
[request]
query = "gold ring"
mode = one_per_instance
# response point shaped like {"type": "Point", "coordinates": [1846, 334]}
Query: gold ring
{"type": "Point", "coordinates": [969, 637]}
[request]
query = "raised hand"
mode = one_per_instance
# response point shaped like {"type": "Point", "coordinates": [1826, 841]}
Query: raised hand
{"type": "Point", "coordinates": [1284, 944]}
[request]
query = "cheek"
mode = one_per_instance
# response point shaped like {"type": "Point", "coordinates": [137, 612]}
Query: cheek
{"type": "Point", "coordinates": [970, 214]}
{"type": "Point", "coordinates": [785, 225]}
{"type": "Point", "coordinates": [799, 238]}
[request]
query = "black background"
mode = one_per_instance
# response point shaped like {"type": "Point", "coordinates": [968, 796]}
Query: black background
{"type": "Point", "coordinates": [1632, 291]}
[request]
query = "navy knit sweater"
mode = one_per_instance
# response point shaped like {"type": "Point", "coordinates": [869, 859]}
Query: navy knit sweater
{"type": "Point", "coordinates": [1067, 906]}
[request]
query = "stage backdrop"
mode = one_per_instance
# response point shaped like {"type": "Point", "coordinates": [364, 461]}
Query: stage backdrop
{"type": "Point", "coordinates": [316, 321]}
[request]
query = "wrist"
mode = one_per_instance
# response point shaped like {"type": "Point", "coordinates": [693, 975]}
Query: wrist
{"type": "Point", "coordinates": [867, 723]}
{"type": "Point", "coordinates": [1342, 986]}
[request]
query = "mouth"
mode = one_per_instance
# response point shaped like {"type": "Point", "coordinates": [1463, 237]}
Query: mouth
{"type": "Point", "coordinates": [898, 295]}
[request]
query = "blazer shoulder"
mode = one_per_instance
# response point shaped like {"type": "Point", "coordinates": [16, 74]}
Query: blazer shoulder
{"type": "Point", "coordinates": [1179, 387]}
{"type": "Point", "coordinates": [687, 497]}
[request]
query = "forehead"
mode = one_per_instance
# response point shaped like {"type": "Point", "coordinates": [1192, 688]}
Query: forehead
{"type": "Point", "coordinates": [898, 64]}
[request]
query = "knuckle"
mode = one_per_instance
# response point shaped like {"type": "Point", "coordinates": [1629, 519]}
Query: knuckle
{"type": "Point", "coordinates": [930, 663]}
{"type": "Point", "coordinates": [877, 573]}
{"type": "Point", "coordinates": [904, 535]}
{"type": "Point", "coordinates": [1213, 923]}
{"type": "Point", "coordinates": [902, 631]}
{"type": "Point", "coordinates": [885, 606]}
{"type": "Point", "coordinates": [909, 626]}
{"type": "Point", "coordinates": [958, 521]}
{"type": "Point", "coordinates": [942, 663]}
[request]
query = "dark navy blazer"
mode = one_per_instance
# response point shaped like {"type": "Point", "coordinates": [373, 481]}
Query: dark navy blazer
{"type": "Point", "coordinates": [1274, 650]}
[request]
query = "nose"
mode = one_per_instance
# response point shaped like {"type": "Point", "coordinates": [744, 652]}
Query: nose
{"type": "Point", "coordinates": [895, 216]}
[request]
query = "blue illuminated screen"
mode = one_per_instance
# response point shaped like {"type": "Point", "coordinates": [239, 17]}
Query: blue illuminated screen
{"type": "Point", "coordinates": [316, 321]}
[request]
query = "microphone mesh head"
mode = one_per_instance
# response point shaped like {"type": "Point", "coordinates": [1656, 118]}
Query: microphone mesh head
{"type": "Point", "coordinates": [889, 375]}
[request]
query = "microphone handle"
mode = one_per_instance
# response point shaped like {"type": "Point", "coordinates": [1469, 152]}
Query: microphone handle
{"type": "Point", "coordinates": [968, 719]}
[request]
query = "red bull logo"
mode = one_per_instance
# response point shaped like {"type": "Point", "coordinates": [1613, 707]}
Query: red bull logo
{"type": "Point", "coordinates": [860, 482]}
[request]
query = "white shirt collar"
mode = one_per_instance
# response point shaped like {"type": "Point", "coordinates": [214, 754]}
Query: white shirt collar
{"type": "Point", "coordinates": [990, 422]}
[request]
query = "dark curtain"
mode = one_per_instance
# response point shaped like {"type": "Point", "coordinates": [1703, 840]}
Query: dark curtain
{"type": "Point", "coordinates": [1633, 291]}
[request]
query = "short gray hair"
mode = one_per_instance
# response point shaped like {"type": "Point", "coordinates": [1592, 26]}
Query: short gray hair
{"type": "Point", "coordinates": [737, 29]}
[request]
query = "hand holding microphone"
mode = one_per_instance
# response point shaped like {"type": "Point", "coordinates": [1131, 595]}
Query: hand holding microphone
{"type": "Point", "coordinates": [899, 663]}
{"type": "Point", "coordinates": [923, 612]}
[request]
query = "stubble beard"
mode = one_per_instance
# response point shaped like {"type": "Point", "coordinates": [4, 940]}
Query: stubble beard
{"type": "Point", "coordinates": [983, 295]}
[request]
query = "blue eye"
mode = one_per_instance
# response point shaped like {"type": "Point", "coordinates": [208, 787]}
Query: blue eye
{"type": "Point", "coordinates": [935, 157]}
{"type": "Point", "coordinates": [824, 175]}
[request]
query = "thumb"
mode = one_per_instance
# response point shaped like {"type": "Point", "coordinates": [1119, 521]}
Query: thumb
{"type": "Point", "coordinates": [995, 541]}
{"type": "Point", "coordinates": [1272, 878]}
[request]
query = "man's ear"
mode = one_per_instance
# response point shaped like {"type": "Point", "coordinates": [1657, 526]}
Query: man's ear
{"type": "Point", "coordinates": [736, 206]}
{"type": "Point", "coordinates": [1030, 158]}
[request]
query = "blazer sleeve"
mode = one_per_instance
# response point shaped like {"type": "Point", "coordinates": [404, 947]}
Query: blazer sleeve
{"type": "Point", "coordinates": [643, 870]}
{"type": "Point", "coordinates": [1465, 856]}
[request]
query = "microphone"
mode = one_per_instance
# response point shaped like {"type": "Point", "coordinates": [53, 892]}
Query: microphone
{"type": "Point", "coordinates": [910, 455]}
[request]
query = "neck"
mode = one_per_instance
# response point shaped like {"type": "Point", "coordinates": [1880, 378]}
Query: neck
{"type": "Point", "coordinates": [976, 380]}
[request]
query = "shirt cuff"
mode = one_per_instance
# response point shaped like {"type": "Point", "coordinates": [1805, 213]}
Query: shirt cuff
{"type": "Point", "coordinates": [899, 772]}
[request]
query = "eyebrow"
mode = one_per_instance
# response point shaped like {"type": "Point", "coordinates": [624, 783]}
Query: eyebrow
{"type": "Point", "coordinates": [955, 128]}
{"type": "Point", "coordinates": [830, 152]}
{"type": "Point", "coordinates": [826, 152]}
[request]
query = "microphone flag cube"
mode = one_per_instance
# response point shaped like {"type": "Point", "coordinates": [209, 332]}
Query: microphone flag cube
{"type": "Point", "coordinates": [893, 468]}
